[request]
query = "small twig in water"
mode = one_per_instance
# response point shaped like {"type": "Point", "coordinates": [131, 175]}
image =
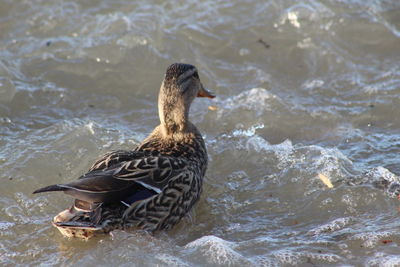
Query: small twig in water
{"type": "Point", "coordinates": [261, 41]}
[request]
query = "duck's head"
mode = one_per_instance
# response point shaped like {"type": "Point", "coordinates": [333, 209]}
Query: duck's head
{"type": "Point", "coordinates": [180, 86]}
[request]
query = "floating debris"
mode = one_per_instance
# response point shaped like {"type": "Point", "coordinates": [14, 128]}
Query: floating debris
{"type": "Point", "coordinates": [325, 180]}
{"type": "Point", "coordinates": [213, 108]}
{"type": "Point", "coordinates": [265, 44]}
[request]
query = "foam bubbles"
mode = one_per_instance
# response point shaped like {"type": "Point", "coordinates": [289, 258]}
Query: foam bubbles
{"type": "Point", "coordinates": [248, 132]}
{"type": "Point", "coordinates": [6, 225]}
{"type": "Point", "coordinates": [170, 260]}
{"type": "Point", "coordinates": [291, 257]}
{"type": "Point", "coordinates": [315, 83]}
{"type": "Point", "coordinates": [383, 260]}
{"type": "Point", "coordinates": [372, 238]}
{"type": "Point", "coordinates": [89, 126]}
{"type": "Point", "coordinates": [256, 99]}
{"type": "Point", "coordinates": [382, 178]}
{"type": "Point", "coordinates": [380, 172]}
{"type": "Point", "coordinates": [293, 19]}
{"type": "Point", "coordinates": [333, 226]}
{"type": "Point", "coordinates": [217, 250]}
{"type": "Point", "coordinates": [286, 256]}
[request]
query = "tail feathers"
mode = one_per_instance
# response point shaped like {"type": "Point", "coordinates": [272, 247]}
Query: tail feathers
{"type": "Point", "coordinates": [55, 187]}
{"type": "Point", "coordinates": [77, 225]}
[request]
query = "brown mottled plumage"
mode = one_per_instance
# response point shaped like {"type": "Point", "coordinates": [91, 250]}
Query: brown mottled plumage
{"type": "Point", "coordinates": [151, 187]}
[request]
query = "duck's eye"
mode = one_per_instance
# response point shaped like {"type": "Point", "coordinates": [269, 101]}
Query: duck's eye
{"type": "Point", "coordinates": [196, 75]}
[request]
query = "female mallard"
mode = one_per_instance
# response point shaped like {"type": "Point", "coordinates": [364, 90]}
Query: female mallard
{"type": "Point", "coordinates": [151, 187]}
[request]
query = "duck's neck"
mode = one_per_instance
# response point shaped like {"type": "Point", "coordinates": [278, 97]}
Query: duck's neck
{"type": "Point", "coordinates": [174, 119]}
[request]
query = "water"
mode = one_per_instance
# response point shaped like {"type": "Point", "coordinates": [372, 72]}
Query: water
{"type": "Point", "coordinates": [305, 88]}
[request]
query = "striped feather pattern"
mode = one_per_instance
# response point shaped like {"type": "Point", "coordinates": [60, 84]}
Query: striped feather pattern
{"type": "Point", "coordinates": [151, 187]}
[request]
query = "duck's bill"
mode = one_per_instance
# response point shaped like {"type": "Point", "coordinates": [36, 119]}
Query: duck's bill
{"type": "Point", "coordinates": [205, 93]}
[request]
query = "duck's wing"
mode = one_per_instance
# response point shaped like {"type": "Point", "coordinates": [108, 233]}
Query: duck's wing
{"type": "Point", "coordinates": [119, 175]}
{"type": "Point", "coordinates": [115, 157]}
{"type": "Point", "coordinates": [144, 167]}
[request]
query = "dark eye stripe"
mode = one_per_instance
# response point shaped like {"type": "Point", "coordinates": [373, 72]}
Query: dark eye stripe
{"type": "Point", "coordinates": [187, 78]}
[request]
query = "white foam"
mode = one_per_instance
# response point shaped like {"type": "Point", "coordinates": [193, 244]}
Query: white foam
{"type": "Point", "coordinates": [217, 250]}
{"type": "Point", "coordinates": [170, 260]}
{"type": "Point", "coordinates": [330, 159]}
{"type": "Point", "coordinates": [89, 126]}
{"type": "Point", "coordinates": [286, 256]}
{"type": "Point", "coordinates": [380, 172]}
{"type": "Point", "coordinates": [371, 239]}
{"type": "Point", "coordinates": [305, 43]}
{"type": "Point", "coordinates": [320, 159]}
{"type": "Point", "coordinates": [313, 84]}
{"type": "Point", "coordinates": [265, 261]}
{"type": "Point", "coordinates": [323, 257]}
{"type": "Point", "coordinates": [383, 260]}
{"type": "Point", "coordinates": [258, 144]}
{"type": "Point", "coordinates": [333, 226]}
{"type": "Point", "coordinates": [248, 132]}
{"type": "Point", "coordinates": [293, 19]}
{"type": "Point", "coordinates": [256, 99]}
{"type": "Point", "coordinates": [131, 40]}
{"type": "Point", "coordinates": [6, 225]}
{"type": "Point", "coordinates": [384, 179]}
{"type": "Point", "coordinates": [244, 51]}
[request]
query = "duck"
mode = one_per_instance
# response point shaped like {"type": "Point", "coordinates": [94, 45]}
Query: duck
{"type": "Point", "coordinates": [151, 187]}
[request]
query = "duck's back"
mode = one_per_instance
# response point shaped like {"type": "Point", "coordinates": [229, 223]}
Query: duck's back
{"type": "Point", "coordinates": [183, 188]}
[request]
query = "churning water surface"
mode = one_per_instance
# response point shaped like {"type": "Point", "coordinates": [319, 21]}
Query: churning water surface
{"type": "Point", "coordinates": [308, 93]}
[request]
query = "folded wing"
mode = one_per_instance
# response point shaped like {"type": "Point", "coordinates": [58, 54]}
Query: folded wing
{"type": "Point", "coordinates": [121, 174]}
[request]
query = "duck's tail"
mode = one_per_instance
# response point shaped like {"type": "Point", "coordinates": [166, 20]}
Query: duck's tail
{"type": "Point", "coordinates": [76, 222]}
{"type": "Point", "coordinates": [77, 225]}
{"type": "Point", "coordinates": [80, 229]}
{"type": "Point", "coordinates": [55, 187]}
